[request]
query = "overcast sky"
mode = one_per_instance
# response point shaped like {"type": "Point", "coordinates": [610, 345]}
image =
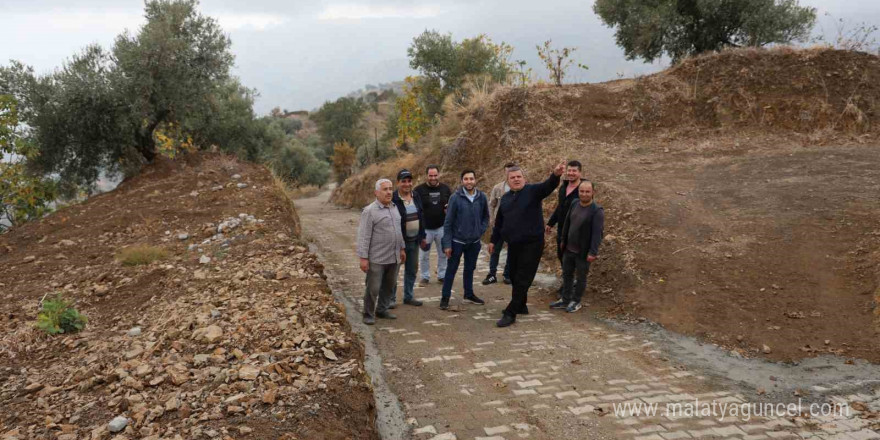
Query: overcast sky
{"type": "Point", "coordinates": [298, 53]}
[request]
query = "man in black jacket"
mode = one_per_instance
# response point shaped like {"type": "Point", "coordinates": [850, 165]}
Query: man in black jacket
{"type": "Point", "coordinates": [581, 237]}
{"type": "Point", "coordinates": [434, 196]}
{"type": "Point", "coordinates": [568, 193]}
{"type": "Point", "coordinates": [520, 223]}
{"type": "Point", "coordinates": [413, 228]}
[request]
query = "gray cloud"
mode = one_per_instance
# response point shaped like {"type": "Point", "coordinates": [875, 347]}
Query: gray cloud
{"type": "Point", "coordinates": [300, 53]}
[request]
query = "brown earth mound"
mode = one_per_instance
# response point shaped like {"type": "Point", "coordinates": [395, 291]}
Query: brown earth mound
{"type": "Point", "coordinates": [741, 192]}
{"type": "Point", "coordinates": [234, 334]}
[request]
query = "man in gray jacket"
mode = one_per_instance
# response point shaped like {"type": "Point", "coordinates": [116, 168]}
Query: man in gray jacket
{"type": "Point", "coordinates": [584, 225]}
{"type": "Point", "coordinates": [381, 249]}
{"type": "Point", "coordinates": [495, 195]}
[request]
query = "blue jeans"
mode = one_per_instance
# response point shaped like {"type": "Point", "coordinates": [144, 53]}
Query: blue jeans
{"type": "Point", "coordinates": [434, 238]}
{"type": "Point", "coordinates": [411, 268]}
{"type": "Point", "coordinates": [471, 251]}
{"type": "Point", "coordinates": [493, 261]}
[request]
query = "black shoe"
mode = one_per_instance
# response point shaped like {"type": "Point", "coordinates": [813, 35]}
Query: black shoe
{"type": "Point", "coordinates": [444, 304]}
{"type": "Point", "coordinates": [392, 306]}
{"type": "Point", "coordinates": [506, 321]}
{"type": "Point", "coordinates": [559, 304]}
{"type": "Point", "coordinates": [385, 315]}
{"type": "Point", "coordinates": [440, 280]}
{"type": "Point", "coordinates": [369, 320]}
{"type": "Point", "coordinates": [424, 282]}
{"type": "Point", "coordinates": [412, 302]}
{"type": "Point", "coordinates": [490, 279]}
{"type": "Point", "coordinates": [474, 300]}
{"type": "Point", "coordinates": [507, 281]}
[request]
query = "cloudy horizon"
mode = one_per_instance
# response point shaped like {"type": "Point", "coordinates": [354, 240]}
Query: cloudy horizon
{"type": "Point", "coordinates": [301, 54]}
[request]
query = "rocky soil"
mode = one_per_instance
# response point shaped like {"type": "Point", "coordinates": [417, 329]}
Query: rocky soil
{"type": "Point", "coordinates": [234, 334]}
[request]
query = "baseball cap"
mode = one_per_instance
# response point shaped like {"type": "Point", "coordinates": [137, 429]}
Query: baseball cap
{"type": "Point", "coordinates": [403, 174]}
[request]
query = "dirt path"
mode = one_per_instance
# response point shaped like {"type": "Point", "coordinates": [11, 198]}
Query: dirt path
{"type": "Point", "coordinates": [555, 375]}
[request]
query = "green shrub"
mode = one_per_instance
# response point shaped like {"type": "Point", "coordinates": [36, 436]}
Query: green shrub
{"type": "Point", "coordinates": [58, 316]}
{"type": "Point", "coordinates": [141, 254]}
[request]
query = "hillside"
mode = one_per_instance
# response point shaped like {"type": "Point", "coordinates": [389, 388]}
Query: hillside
{"type": "Point", "coordinates": [740, 192]}
{"type": "Point", "coordinates": [233, 334]}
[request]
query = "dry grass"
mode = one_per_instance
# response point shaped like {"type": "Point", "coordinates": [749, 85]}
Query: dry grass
{"type": "Point", "coordinates": [141, 254]}
{"type": "Point", "coordinates": [283, 194]}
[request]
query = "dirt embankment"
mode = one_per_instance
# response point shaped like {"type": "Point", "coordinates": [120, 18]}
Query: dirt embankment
{"type": "Point", "coordinates": [741, 192]}
{"type": "Point", "coordinates": [234, 334]}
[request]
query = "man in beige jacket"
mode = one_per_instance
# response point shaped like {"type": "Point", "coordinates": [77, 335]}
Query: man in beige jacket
{"type": "Point", "coordinates": [494, 201]}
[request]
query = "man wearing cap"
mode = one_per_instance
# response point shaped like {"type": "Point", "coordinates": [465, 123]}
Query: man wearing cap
{"type": "Point", "coordinates": [381, 249]}
{"type": "Point", "coordinates": [413, 230]}
{"type": "Point", "coordinates": [434, 196]}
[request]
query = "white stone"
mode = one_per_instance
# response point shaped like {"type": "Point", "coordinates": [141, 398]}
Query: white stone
{"type": "Point", "coordinates": [117, 424]}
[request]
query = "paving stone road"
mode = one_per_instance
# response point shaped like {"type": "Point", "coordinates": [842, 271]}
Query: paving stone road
{"type": "Point", "coordinates": [552, 375]}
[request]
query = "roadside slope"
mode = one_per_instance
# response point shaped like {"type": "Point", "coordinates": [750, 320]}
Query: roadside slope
{"type": "Point", "coordinates": [233, 334]}
{"type": "Point", "coordinates": [740, 190]}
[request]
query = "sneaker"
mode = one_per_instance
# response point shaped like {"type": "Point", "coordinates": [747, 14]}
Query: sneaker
{"type": "Point", "coordinates": [424, 282]}
{"type": "Point", "coordinates": [559, 304]}
{"type": "Point", "coordinates": [573, 306]}
{"type": "Point", "coordinates": [392, 306]}
{"type": "Point", "coordinates": [385, 315]}
{"type": "Point", "coordinates": [444, 303]}
{"type": "Point", "coordinates": [369, 320]}
{"type": "Point", "coordinates": [490, 279]}
{"type": "Point", "coordinates": [412, 302]}
{"type": "Point", "coordinates": [507, 281]}
{"type": "Point", "coordinates": [506, 321]}
{"type": "Point", "coordinates": [473, 299]}
{"type": "Point", "coordinates": [440, 280]}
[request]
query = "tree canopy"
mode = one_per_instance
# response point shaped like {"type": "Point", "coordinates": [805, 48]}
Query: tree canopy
{"type": "Point", "coordinates": [678, 28]}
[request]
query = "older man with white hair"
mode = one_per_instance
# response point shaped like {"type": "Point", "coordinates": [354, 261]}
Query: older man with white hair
{"type": "Point", "coordinates": [381, 249]}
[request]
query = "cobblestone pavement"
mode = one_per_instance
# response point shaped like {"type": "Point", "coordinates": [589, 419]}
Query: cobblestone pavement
{"type": "Point", "coordinates": [552, 375]}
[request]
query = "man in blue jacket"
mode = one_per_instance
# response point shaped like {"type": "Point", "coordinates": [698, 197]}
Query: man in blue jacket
{"type": "Point", "coordinates": [467, 218]}
{"type": "Point", "coordinates": [412, 226]}
{"type": "Point", "coordinates": [520, 223]}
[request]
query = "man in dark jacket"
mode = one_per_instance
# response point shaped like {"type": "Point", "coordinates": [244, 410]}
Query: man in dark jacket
{"type": "Point", "coordinates": [568, 193]}
{"type": "Point", "coordinates": [520, 223]}
{"type": "Point", "coordinates": [467, 218]}
{"type": "Point", "coordinates": [581, 237]}
{"type": "Point", "coordinates": [434, 196]}
{"type": "Point", "coordinates": [413, 229]}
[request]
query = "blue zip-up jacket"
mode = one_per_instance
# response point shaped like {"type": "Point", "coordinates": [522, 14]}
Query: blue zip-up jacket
{"type": "Point", "coordinates": [398, 202]}
{"type": "Point", "coordinates": [466, 221]}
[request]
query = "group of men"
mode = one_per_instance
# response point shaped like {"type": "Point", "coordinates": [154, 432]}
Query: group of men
{"type": "Point", "coordinates": [400, 227]}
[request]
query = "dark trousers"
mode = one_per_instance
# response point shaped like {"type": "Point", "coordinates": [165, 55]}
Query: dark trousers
{"type": "Point", "coordinates": [471, 251]}
{"type": "Point", "coordinates": [493, 261]}
{"type": "Point", "coordinates": [410, 270]}
{"type": "Point", "coordinates": [523, 259]}
{"type": "Point", "coordinates": [574, 268]}
{"type": "Point", "coordinates": [381, 282]}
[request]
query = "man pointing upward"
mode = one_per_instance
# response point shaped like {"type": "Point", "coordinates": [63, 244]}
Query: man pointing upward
{"type": "Point", "coordinates": [520, 222]}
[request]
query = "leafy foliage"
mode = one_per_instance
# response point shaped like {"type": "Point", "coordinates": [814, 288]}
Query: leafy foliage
{"type": "Point", "coordinates": [343, 161]}
{"type": "Point", "coordinates": [23, 196]}
{"type": "Point", "coordinates": [340, 120]}
{"type": "Point", "coordinates": [297, 164]}
{"type": "Point", "coordinates": [445, 64]}
{"type": "Point", "coordinates": [412, 122]}
{"type": "Point", "coordinates": [59, 316]}
{"type": "Point", "coordinates": [678, 28]}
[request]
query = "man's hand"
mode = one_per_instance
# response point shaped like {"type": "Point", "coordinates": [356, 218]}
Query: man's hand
{"type": "Point", "coordinates": [547, 229]}
{"type": "Point", "coordinates": [591, 258]}
{"type": "Point", "coordinates": [448, 252]}
{"type": "Point", "coordinates": [491, 248]}
{"type": "Point", "coordinates": [365, 264]}
{"type": "Point", "coordinates": [559, 168]}
{"type": "Point", "coordinates": [424, 245]}
{"type": "Point", "coordinates": [402, 256]}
